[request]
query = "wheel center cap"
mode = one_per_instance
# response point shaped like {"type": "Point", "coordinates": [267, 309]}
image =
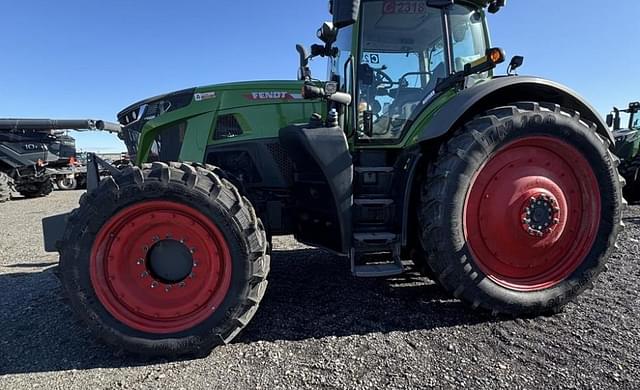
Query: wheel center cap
{"type": "Point", "coordinates": [170, 261]}
{"type": "Point", "coordinates": [540, 215]}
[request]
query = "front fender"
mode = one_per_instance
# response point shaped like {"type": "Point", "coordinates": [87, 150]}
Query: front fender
{"type": "Point", "coordinates": [502, 91]}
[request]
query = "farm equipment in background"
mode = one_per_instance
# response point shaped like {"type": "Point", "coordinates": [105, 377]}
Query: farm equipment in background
{"type": "Point", "coordinates": [503, 189]}
{"type": "Point", "coordinates": [628, 147]}
{"type": "Point", "coordinates": [34, 153]}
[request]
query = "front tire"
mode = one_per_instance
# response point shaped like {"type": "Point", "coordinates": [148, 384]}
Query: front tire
{"type": "Point", "coordinates": [521, 210]}
{"type": "Point", "coordinates": [6, 184]}
{"type": "Point", "coordinates": [167, 260]}
{"type": "Point", "coordinates": [35, 187]}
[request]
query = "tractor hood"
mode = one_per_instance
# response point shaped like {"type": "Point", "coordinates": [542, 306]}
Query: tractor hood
{"type": "Point", "coordinates": [229, 95]}
{"type": "Point", "coordinates": [180, 125]}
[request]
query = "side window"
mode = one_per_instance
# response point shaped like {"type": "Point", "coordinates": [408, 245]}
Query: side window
{"type": "Point", "coordinates": [467, 36]}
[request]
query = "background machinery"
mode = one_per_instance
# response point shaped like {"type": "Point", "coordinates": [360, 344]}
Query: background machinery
{"type": "Point", "coordinates": [628, 147]}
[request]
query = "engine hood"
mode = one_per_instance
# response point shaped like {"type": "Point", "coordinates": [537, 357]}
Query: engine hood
{"type": "Point", "coordinates": [228, 95]}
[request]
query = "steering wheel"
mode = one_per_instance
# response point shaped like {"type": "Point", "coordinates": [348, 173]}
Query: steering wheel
{"type": "Point", "coordinates": [404, 83]}
{"type": "Point", "coordinates": [382, 79]}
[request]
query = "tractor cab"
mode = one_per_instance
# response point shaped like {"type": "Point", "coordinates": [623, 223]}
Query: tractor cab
{"type": "Point", "coordinates": [394, 57]}
{"type": "Point", "coordinates": [627, 139]}
{"type": "Point", "coordinates": [401, 53]}
{"type": "Point", "coordinates": [389, 62]}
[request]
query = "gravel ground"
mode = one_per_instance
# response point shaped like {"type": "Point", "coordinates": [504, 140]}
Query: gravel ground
{"type": "Point", "coordinates": [320, 328]}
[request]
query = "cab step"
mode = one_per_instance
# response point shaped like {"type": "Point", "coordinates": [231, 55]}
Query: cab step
{"type": "Point", "coordinates": [377, 270]}
{"type": "Point", "coordinates": [376, 255]}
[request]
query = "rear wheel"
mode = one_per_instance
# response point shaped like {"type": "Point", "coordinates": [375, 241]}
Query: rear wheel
{"type": "Point", "coordinates": [521, 210]}
{"type": "Point", "coordinates": [67, 184]}
{"type": "Point", "coordinates": [6, 184]}
{"type": "Point", "coordinates": [166, 260]}
{"type": "Point", "coordinates": [35, 187]}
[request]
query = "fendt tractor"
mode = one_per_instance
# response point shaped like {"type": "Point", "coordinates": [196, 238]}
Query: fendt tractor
{"type": "Point", "coordinates": [503, 188]}
{"type": "Point", "coordinates": [628, 148]}
{"type": "Point", "coordinates": [35, 153]}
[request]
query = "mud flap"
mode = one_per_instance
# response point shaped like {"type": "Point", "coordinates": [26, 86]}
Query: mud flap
{"type": "Point", "coordinates": [53, 229]}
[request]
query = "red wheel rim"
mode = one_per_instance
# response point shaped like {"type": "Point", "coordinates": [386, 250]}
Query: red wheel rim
{"type": "Point", "coordinates": [126, 285]}
{"type": "Point", "coordinates": [541, 176]}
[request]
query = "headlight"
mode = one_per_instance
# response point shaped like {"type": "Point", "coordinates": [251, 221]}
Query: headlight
{"type": "Point", "coordinates": [149, 109]}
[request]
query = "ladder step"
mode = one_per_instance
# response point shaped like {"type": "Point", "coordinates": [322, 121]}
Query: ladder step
{"type": "Point", "coordinates": [375, 238]}
{"type": "Point", "coordinates": [373, 201]}
{"type": "Point", "coordinates": [373, 169]}
{"type": "Point", "coordinates": [378, 270]}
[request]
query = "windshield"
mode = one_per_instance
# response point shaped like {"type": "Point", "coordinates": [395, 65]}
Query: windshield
{"type": "Point", "coordinates": [402, 58]}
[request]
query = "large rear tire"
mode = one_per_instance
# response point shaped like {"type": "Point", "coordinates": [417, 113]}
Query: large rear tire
{"type": "Point", "coordinates": [67, 183]}
{"type": "Point", "coordinates": [6, 184]}
{"type": "Point", "coordinates": [167, 260]}
{"type": "Point", "coordinates": [521, 209]}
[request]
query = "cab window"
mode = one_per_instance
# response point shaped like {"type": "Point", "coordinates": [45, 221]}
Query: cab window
{"type": "Point", "coordinates": [402, 58]}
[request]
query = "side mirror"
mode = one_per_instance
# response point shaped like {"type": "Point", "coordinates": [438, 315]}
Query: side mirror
{"type": "Point", "coordinates": [304, 73]}
{"type": "Point", "coordinates": [515, 63]}
{"type": "Point", "coordinates": [610, 120]}
{"type": "Point", "coordinates": [345, 12]}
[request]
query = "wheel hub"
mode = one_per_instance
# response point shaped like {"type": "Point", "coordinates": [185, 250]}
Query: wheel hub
{"type": "Point", "coordinates": [540, 215]}
{"type": "Point", "coordinates": [160, 267]}
{"type": "Point", "coordinates": [170, 261]}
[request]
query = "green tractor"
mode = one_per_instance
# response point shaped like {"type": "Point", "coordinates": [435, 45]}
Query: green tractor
{"type": "Point", "coordinates": [627, 148]}
{"type": "Point", "coordinates": [503, 188]}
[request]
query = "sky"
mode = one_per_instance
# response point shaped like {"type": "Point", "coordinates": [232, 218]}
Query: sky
{"type": "Point", "coordinates": [90, 58]}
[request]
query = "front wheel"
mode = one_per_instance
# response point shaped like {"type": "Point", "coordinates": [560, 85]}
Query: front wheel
{"type": "Point", "coordinates": [167, 260]}
{"type": "Point", "coordinates": [521, 210]}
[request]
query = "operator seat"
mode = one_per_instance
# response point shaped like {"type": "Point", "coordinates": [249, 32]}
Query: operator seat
{"type": "Point", "coordinates": [408, 98]}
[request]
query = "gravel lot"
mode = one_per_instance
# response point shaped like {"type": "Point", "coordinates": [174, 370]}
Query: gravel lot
{"type": "Point", "coordinates": [320, 328]}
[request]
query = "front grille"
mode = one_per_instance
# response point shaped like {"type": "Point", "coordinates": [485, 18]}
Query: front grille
{"type": "Point", "coordinates": [227, 126]}
{"type": "Point", "coordinates": [168, 143]}
{"type": "Point", "coordinates": [282, 159]}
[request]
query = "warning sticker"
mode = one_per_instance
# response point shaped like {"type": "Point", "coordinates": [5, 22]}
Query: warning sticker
{"type": "Point", "coordinates": [204, 96]}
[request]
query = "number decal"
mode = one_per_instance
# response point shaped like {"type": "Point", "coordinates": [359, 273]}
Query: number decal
{"type": "Point", "coordinates": [404, 7]}
{"type": "Point", "coordinates": [371, 58]}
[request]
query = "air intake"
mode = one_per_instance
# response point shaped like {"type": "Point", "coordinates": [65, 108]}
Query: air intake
{"type": "Point", "coordinates": [227, 127]}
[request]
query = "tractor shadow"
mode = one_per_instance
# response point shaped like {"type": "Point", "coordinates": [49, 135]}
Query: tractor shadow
{"type": "Point", "coordinates": [632, 220]}
{"type": "Point", "coordinates": [311, 295]}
